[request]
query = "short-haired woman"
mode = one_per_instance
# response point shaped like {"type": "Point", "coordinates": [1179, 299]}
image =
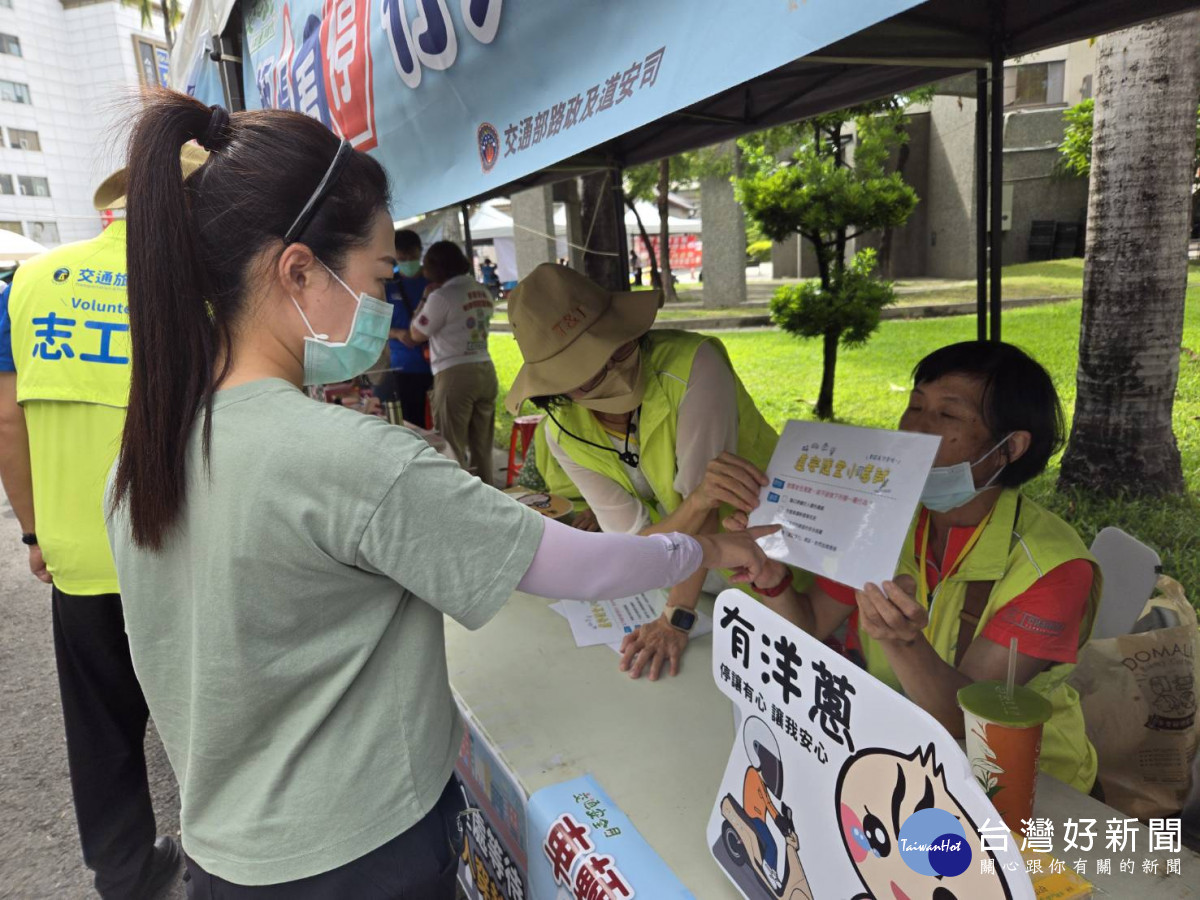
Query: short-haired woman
{"type": "Point", "coordinates": [454, 320]}
{"type": "Point", "coordinates": [982, 563]}
{"type": "Point", "coordinates": [285, 564]}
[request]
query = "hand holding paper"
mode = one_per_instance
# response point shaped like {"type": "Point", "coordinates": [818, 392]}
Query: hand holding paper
{"type": "Point", "coordinates": [845, 498]}
{"type": "Point", "coordinates": [730, 479]}
{"type": "Point", "coordinates": [889, 613]}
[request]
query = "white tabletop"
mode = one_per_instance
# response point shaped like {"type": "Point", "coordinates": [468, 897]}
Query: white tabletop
{"type": "Point", "coordinates": [555, 711]}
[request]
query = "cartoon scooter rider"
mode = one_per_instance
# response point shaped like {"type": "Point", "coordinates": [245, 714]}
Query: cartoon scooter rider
{"type": "Point", "coordinates": [761, 791]}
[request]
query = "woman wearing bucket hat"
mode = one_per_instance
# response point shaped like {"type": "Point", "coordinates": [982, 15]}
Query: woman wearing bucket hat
{"type": "Point", "coordinates": [654, 427]}
{"type": "Point", "coordinates": [285, 565]}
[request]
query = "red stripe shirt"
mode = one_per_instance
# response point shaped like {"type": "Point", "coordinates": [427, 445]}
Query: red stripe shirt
{"type": "Point", "coordinates": [1045, 619]}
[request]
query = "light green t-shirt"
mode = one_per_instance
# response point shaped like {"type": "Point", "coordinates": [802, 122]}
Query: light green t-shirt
{"type": "Point", "coordinates": [289, 637]}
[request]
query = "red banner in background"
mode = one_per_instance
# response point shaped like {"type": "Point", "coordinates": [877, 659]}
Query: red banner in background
{"type": "Point", "coordinates": [687, 250]}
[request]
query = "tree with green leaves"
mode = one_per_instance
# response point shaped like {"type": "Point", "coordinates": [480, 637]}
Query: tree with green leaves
{"type": "Point", "coordinates": [803, 179]}
{"type": "Point", "coordinates": [1075, 151]}
{"type": "Point", "coordinates": [170, 12]}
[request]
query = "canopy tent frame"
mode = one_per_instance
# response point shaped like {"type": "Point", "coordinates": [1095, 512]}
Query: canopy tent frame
{"type": "Point", "coordinates": [923, 44]}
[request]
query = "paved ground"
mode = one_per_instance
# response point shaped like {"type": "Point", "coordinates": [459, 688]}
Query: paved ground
{"type": "Point", "coordinates": [39, 844]}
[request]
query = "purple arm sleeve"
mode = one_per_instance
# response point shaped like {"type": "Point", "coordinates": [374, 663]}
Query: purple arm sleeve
{"type": "Point", "coordinates": [580, 565]}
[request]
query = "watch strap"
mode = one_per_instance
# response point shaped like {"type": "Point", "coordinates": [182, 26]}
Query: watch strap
{"type": "Point", "coordinates": [669, 613]}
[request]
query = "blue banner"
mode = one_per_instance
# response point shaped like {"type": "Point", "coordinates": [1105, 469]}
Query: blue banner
{"type": "Point", "coordinates": [458, 97]}
{"type": "Point", "coordinates": [582, 847]}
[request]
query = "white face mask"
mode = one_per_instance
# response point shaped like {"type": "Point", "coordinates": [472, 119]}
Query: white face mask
{"type": "Point", "coordinates": [949, 487]}
{"type": "Point", "coordinates": [331, 362]}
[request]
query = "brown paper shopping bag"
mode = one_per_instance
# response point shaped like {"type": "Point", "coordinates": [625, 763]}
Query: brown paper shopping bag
{"type": "Point", "coordinates": [1139, 701]}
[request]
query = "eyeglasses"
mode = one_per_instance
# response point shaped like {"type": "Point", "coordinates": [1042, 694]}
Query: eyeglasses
{"type": "Point", "coordinates": [619, 355]}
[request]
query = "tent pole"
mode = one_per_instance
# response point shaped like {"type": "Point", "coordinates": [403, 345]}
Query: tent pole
{"type": "Point", "coordinates": [981, 202]}
{"type": "Point", "coordinates": [468, 245]}
{"type": "Point", "coordinates": [997, 163]}
{"type": "Point", "coordinates": [228, 70]}
{"type": "Point", "coordinates": [622, 239]}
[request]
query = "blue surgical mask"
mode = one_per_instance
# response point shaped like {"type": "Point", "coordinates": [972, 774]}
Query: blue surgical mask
{"type": "Point", "coordinates": [330, 362]}
{"type": "Point", "coordinates": [949, 487]}
{"type": "Point", "coordinates": [409, 268]}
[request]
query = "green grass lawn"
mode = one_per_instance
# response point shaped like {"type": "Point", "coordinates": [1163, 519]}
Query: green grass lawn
{"type": "Point", "coordinates": [1060, 278]}
{"type": "Point", "coordinates": [783, 373]}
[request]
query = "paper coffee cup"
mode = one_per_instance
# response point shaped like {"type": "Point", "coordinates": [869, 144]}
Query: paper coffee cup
{"type": "Point", "coordinates": [1004, 740]}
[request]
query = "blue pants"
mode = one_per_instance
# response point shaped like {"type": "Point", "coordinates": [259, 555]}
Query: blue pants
{"type": "Point", "coordinates": [418, 864]}
{"type": "Point", "coordinates": [770, 851]}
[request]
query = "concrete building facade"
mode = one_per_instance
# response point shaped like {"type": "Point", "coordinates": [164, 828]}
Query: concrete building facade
{"type": "Point", "coordinates": [940, 163]}
{"type": "Point", "coordinates": [68, 71]}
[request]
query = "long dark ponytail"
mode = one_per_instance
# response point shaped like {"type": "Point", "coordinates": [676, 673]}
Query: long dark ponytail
{"type": "Point", "coordinates": [194, 247]}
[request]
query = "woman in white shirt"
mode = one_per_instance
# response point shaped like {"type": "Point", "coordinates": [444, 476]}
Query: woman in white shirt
{"type": "Point", "coordinates": [454, 319]}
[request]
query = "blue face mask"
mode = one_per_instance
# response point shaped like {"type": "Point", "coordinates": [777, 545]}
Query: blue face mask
{"type": "Point", "coordinates": [330, 362]}
{"type": "Point", "coordinates": [949, 487]}
{"type": "Point", "coordinates": [409, 268]}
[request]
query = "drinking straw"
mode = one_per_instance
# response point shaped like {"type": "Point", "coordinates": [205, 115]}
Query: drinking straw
{"type": "Point", "coordinates": [1012, 667]}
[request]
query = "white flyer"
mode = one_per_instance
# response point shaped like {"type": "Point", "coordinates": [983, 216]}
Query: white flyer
{"type": "Point", "coordinates": [845, 497]}
{"type": "Point", "coordinates": [608, 621]}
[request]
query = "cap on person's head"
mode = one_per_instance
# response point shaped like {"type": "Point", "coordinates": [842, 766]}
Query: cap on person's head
{"type": "Point", "coordinates": [567, 327]}
{"type": "Point", "coordinates": [111, 193]}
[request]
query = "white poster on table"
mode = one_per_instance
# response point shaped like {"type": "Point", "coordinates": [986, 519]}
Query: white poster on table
{"type": "Point", "coordinates": [845, 497]}
{"type": "Point", "coordinates": [839, 787]}
{"type": "Point", "coordinates": [608, 621]}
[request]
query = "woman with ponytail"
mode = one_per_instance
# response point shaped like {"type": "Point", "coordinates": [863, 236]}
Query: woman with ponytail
{"type": "Point", "coordinates": [285, 564]}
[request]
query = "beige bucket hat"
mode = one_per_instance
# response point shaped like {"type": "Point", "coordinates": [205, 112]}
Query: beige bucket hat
{"type": "Point", "coordinates": [567, 327]}
{"type": "Point", "coordinates": [112, 190]}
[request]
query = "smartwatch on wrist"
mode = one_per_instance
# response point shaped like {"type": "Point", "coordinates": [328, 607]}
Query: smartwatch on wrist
{"type": "Point", "coordinates": [29, 539]}
{"type": "Point", "coordinates": [680, 619]}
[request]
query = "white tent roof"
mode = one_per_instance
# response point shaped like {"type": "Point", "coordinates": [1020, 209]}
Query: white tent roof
{"type": "Point", "coordinates": [17, 248]}
{"type": "Point", "coordinates": [489, 223]}
{"type": "Point", "coordinates": [649, 214]}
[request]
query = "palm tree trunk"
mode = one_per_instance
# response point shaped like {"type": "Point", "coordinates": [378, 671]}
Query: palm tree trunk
{"type": "Point", "coordinates": [664, 229]}
{"type": "Point", "coordinates": [654, 280]}
{"type": "Point", "coordinates": [166, 14]}
{"type": "Point", "coordinates": [1135, 274]}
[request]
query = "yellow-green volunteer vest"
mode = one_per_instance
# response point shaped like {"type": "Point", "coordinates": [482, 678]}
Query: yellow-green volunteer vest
{"type": "Point", "coordinates": [556, 477]}
{"type": "Point", "coordinates": [70, 336]}
{"type": "Point", "coordinates": [1021, 543]}
{"type": "Point", "coordinates": [666, 368]}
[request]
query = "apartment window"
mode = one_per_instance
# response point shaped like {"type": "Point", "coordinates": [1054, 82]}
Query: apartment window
{"type": "Point", "coordinates": [21, 139]}
{"type": "Point", "coordinates": [33, 186]}
{"type": "Point", "coordinates": [6, 184]}
{"type": "Point", "coordinates": [14, 227]}
{"type": "Point", "coordinates": [1034, 84]}
{"type": "Point", "coordinates": [14, 91]}
{"type": "Point", "coordinates": [10, 44]}
{"type": "Point", "coordinates": [44, 232]}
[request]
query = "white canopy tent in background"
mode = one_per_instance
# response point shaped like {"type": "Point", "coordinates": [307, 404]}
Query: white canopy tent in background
{"type": "Point", "coordinates": [16, 248]}
{"type": "Point", "coordinates": [491, 224]}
